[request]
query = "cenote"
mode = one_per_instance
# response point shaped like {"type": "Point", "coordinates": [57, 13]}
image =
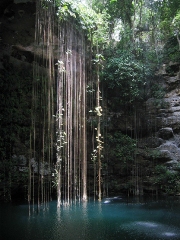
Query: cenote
{"type": "Point", "coordinates": [90, 106]}
{"type": "Point", "coordinates": [113, 218]}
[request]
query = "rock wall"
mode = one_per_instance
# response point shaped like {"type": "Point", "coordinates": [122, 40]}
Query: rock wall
{"type": "Point", "coordinates": [17, 25]}
{"type": "Point", "coordinates": [156, 127]}
{"type": "Point", "coordinates": [167, 120]}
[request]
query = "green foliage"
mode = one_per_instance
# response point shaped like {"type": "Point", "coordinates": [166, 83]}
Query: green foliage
{"type": "Point", "coordinates": [69, 9]}
{"type": "Point", "coordinates": [126, 75]}
{"type": "Point", "coordinates": [122, 9]}
{"type": "Point", "coordinates": [169, 17]}
{"type": "Point", "coordinates": [154, 154]}
{"type": "Point", "coordinates": [121, 147]}
{"type": "Point", "coordinates": [157, 91]}
{"type": "Point", "coordinates": [171, 50]}
{"type": "Point", "coordinates": [93, 23]}
{"type": "Point", "coordinates": [167, 180]}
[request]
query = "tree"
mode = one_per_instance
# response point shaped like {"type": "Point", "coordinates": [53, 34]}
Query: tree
{"type": "Point", "coordinates": [125, 77]}
{"type": "Point", "coordinates": [169, 11]}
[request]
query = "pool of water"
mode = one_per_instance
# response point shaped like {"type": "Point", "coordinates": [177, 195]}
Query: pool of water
{"type": "Point", "coordinates": [112, 219]}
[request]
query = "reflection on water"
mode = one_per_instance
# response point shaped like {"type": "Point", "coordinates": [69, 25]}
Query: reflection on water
{"type": "Point", "coordinates": [112, 219]}
{"type": "Point", "coordinates": [154, 230]}
{"type": "Point", "coordinates": [148, 224]}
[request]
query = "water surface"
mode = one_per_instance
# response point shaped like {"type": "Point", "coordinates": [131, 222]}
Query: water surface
{"type": "Point", "coordinates": [112, 219]}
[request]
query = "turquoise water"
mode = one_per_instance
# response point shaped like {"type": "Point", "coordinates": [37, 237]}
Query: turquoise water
{"type": "Point", "coordinates": [111, 219]}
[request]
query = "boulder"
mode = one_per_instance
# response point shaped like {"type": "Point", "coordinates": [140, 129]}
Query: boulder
{"type": "Point", "coordinates": [169, 152]}
{"type": "Point", "coordinates": [150, 142]}
{"type": "Point", "coordinates": [165, 133]}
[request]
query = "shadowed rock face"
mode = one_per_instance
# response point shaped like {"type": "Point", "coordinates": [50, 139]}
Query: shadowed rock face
{"type": "Point", "coordinates": [23, 1]}
{"type": "Point", "coordinates": [17, 32]}
{"type": "Point", "coordinates": [4, 4]}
